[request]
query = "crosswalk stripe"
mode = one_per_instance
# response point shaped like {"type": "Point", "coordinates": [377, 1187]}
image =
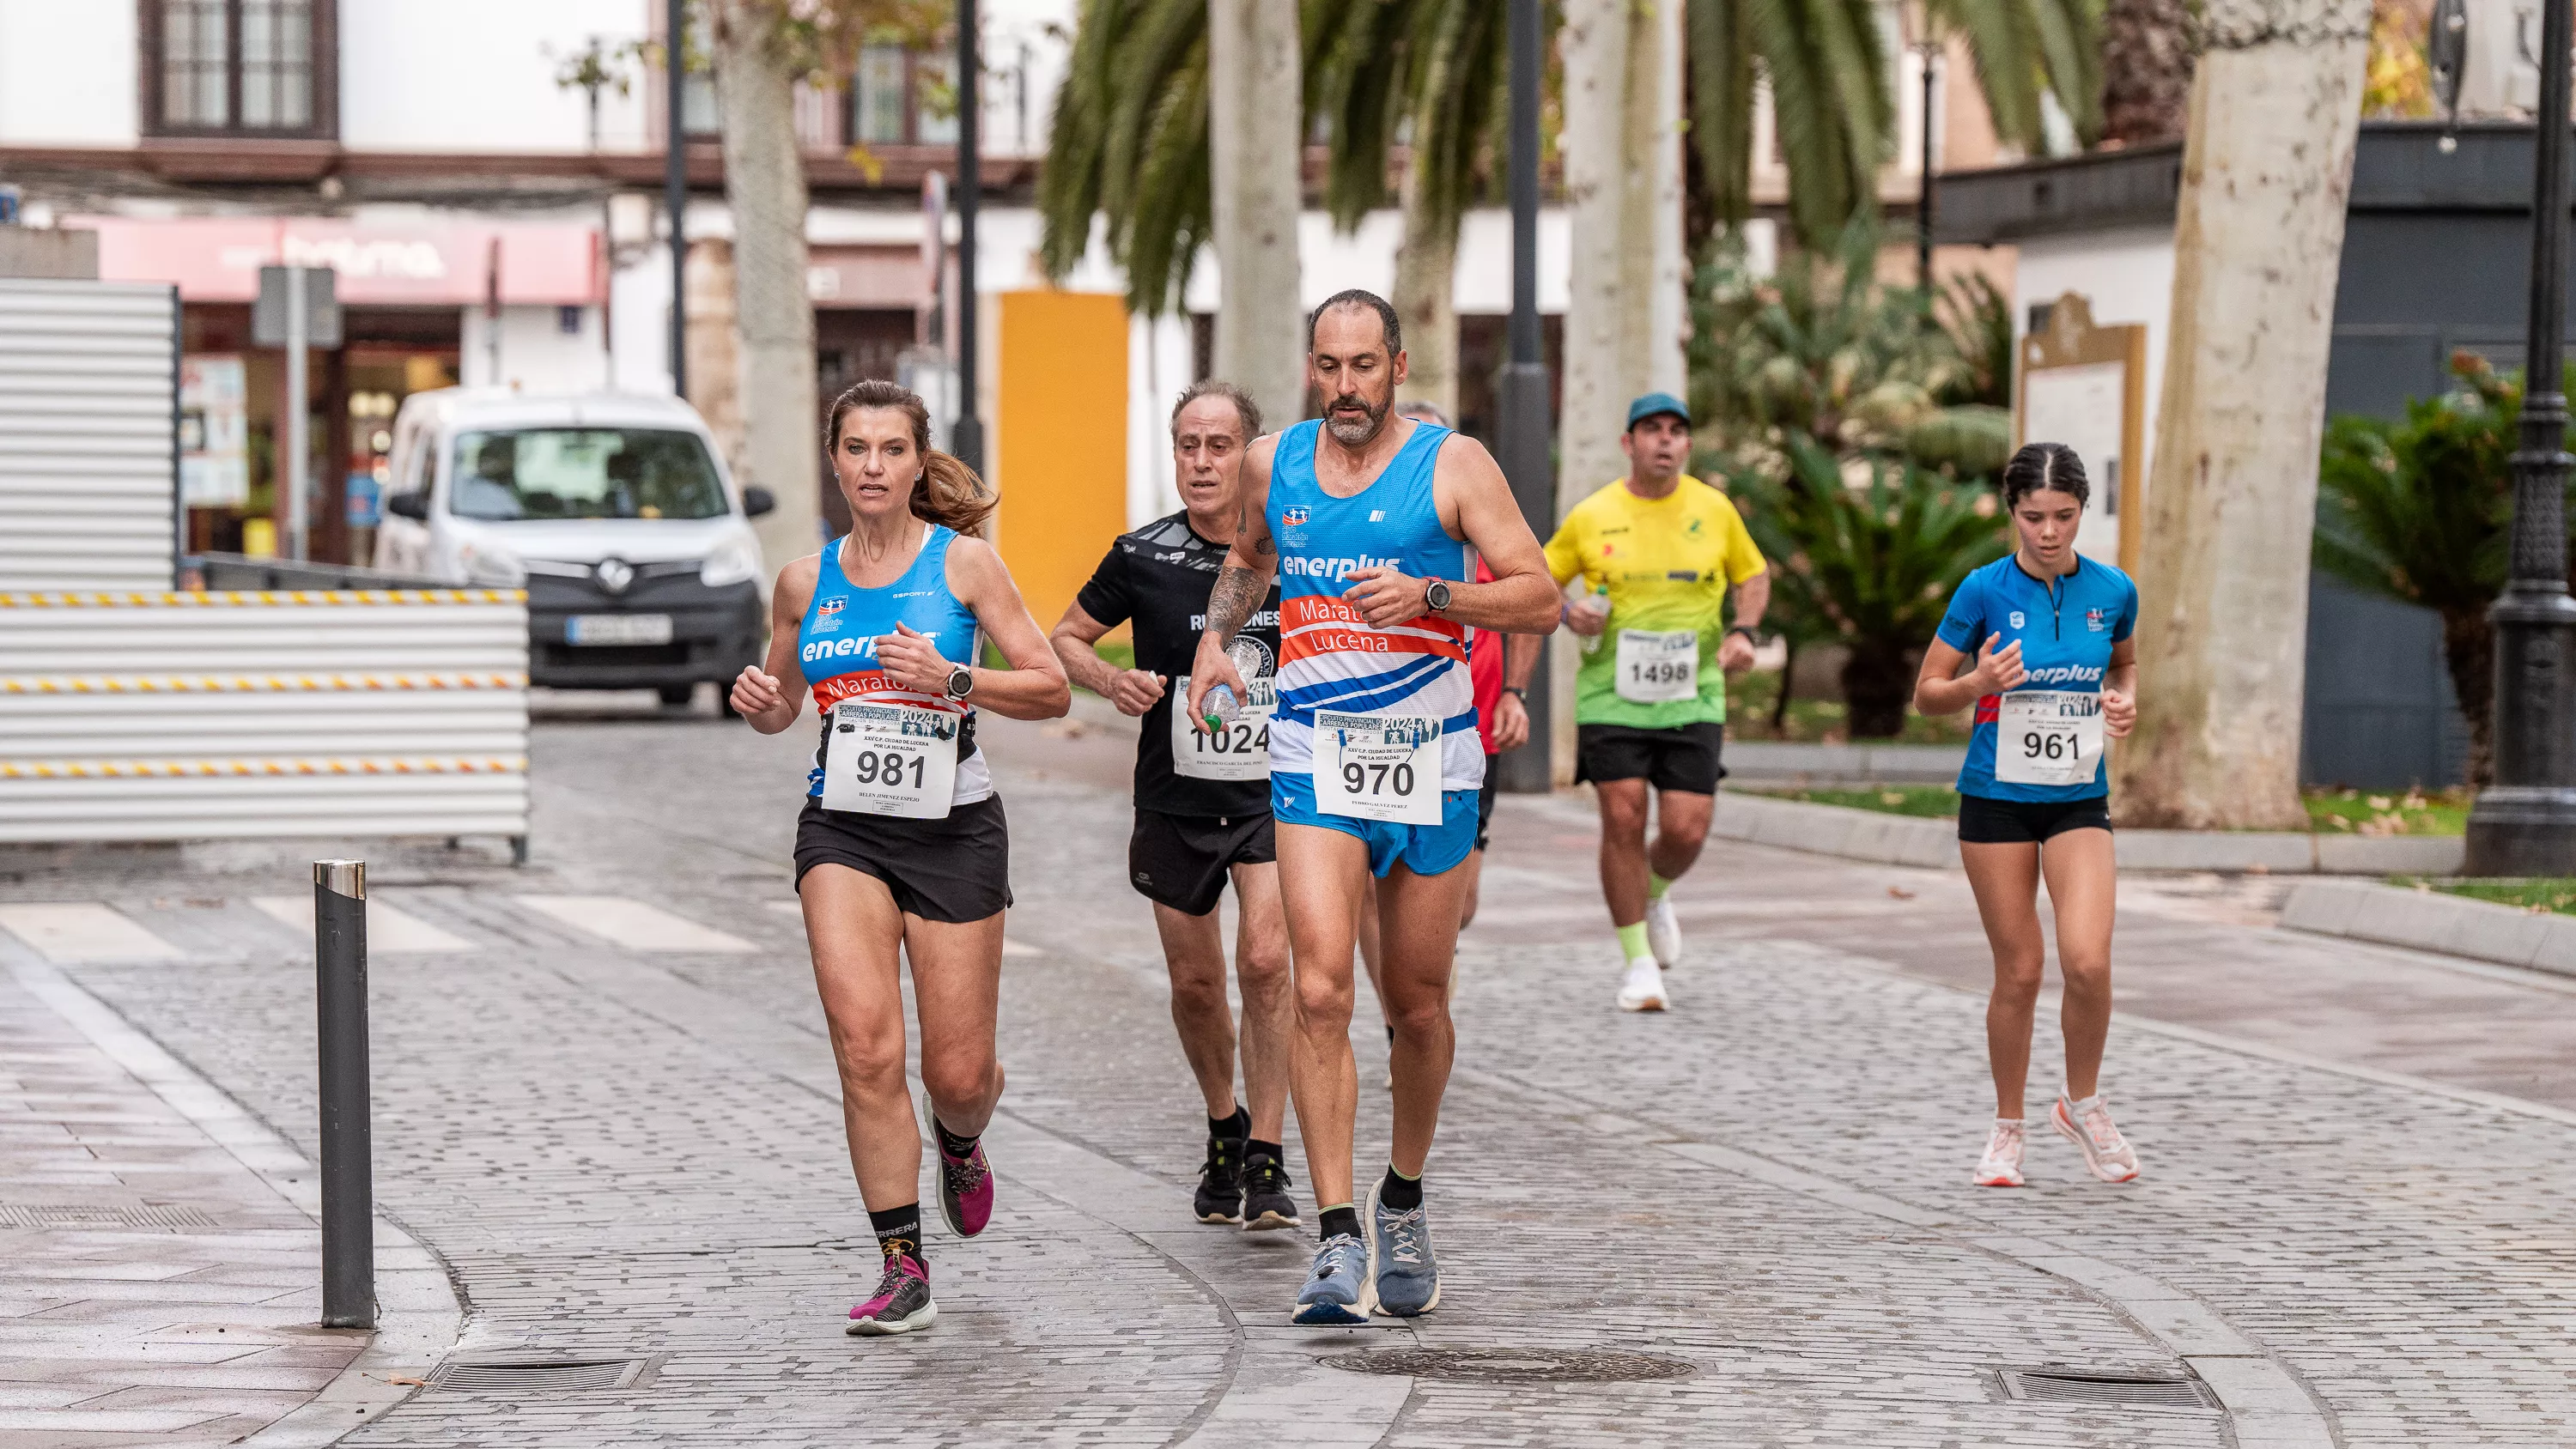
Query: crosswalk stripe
{"type": "Point", "coordinates": [82, 931]}
{"type": "Point", "coordinates": [389, 928]}
{"type": "Point", "coordinates": [633, 924]}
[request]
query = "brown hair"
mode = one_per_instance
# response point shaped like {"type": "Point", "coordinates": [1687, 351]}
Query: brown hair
{"type": "Point", "coordinates": [949, 494]}
{"type": "Point", "coordinates": [1246, 411]}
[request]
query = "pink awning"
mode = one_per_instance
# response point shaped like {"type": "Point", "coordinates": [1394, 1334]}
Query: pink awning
{"type": "Point", "coordinates": [217, 259]}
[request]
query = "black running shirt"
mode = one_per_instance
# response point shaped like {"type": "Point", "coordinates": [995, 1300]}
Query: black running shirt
{"type": "Point", "coordinates": [1159, 576]}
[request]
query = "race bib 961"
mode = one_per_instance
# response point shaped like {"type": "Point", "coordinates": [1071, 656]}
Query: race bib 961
{"type": "Point", "coordinates": [2048, 737]}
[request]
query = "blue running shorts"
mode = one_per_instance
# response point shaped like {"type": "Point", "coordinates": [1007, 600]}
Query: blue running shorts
{"type": "Point", "coordinates": [1424, 849]}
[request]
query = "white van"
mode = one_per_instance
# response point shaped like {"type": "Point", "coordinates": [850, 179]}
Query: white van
{"type": "Point", "coordinates": [614, 513]}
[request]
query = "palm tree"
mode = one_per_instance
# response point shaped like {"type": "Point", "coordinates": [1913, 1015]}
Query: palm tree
{"type": "Point", "coordinates": [2146, 70]}
{"type": "Point", "coordinates": [1130, 143]}
{"type": "Point", "coordinates": [1826, 70]}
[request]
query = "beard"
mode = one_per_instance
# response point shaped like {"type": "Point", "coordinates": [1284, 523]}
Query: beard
{"type": "Point", "coordinates": [1356, 432]}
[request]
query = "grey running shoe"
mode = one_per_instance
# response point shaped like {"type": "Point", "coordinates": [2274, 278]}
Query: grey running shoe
{"type": "Point", "coordinates": [1337, 1292]}
{"type": "Point", "coordinates": [1407, 1277]}
{"type": "Point", "coordinates": [1266, 1202]}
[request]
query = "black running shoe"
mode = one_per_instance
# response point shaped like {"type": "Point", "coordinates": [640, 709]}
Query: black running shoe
{"type": "Point", "coordinates": [1266, 1203]}
{"type": "Point", "coordinates": [1220, 1194]}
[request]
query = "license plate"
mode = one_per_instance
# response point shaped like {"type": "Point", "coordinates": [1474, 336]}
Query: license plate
{"type": "Point", "coordinates": [618, 629]}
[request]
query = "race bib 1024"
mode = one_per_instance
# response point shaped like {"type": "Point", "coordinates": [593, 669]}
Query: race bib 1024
{"type": "Point", "coordinates": [1239, 750]}
{"type": "Point", "coordinates": [2048, 737]}
{"type": "Point", "coordinates": [891, 759]}
{"type": "Point", "coordinates": [1378, 767]}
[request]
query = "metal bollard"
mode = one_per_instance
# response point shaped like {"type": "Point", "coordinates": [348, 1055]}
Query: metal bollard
{"type": "Point", "coordinates": [348, 1177]}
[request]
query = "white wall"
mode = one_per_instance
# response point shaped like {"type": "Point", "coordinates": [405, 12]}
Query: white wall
{"type": "Point", "coordinates": [537, 355]}
{"type": "Point", "coordinates": [67, 72]}
{"type": "Point", "coordinates": [478, 75]}
{"type": "Point", "coordinates": [2127, 275]}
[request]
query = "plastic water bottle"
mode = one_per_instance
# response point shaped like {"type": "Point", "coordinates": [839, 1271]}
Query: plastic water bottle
{"type": "Point", "coordinates": [1221, 705]}
{"type": "Point", "coordinates": [1592, 642]}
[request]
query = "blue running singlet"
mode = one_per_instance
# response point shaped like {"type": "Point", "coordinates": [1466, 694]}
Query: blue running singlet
{"type": "Point", "coordinates": [836, 645]}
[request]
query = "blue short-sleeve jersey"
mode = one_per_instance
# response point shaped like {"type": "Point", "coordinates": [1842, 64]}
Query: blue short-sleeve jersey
{"type": "Point", "coordinates": [2066, 630]}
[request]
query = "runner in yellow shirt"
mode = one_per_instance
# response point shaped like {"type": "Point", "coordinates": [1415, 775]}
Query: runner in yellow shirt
{"type": "Point", "coordinates": [1657, 551]}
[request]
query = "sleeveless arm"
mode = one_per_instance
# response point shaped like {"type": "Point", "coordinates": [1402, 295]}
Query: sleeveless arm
{"type": "Point", "coordinates": [1241, 584]}
{"type": "Point", "coordinates": [1034, 686]}
{"type": "Point", "coordinates": [1476, 504]}
{"type": "Point", "coordinates": [782, 673]}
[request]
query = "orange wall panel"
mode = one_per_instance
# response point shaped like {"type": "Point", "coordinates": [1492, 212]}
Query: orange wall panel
{"type": "Point", "coordinates": [1060, 436]}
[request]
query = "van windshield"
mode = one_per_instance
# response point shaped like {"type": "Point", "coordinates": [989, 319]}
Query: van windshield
{"type": "Point", "coordinates": [530, 473]}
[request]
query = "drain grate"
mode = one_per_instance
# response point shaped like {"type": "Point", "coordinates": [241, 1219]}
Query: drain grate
{"type": "Point", "coordinates": [93, 1215]}
{"type": "Point", "coordinates": [2071, 1386]}
{"type": "Point", "coordinates": [535, 1375]}
{"type": "Point", "coordinates": [1515, 1365]}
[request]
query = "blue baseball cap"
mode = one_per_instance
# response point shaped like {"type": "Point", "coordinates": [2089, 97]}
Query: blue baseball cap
{"type": "Point", "coordinates": [1657, 402]}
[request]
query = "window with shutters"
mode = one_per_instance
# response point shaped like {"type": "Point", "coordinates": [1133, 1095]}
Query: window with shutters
{"type": "Point", "coordinates": [249, 68]}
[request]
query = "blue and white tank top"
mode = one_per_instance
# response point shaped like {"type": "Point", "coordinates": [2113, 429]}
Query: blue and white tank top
{"type": "Point", "coordinates": [836, 646]}
{"type": "Point", "coordinates": [1329, 658]}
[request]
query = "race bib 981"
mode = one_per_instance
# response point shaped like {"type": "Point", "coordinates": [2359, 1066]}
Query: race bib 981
{"type": "Point", "coordinates": [891, 759]}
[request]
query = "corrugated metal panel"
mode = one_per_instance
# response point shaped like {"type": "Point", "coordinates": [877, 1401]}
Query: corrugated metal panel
{"type": "Point", "coordinates": [88, 468]}
{"type": "Point", "coordinates": [170, 716]}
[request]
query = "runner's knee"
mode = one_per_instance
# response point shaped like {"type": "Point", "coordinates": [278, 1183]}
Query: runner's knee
{"type": "Point", "coordinates": [964, 1075]}
{"type": "Point", "coordinates": [870, 1059]}
{"type": "Point", "coordinates": [1623, 814]}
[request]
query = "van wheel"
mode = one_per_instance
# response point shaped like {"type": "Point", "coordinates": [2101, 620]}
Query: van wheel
{"type": "Point", "coordinates": [678, 694]}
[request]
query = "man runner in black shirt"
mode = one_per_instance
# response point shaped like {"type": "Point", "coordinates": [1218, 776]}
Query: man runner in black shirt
{"type": "Point", "coordinates": [1203, 803]}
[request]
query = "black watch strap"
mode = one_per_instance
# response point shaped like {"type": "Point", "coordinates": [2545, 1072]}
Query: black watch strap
{"type": "Point", "coordinates": [1747, 631]}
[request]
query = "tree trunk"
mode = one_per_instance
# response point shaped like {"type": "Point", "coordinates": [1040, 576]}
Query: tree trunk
{"type": "Point", "coordinates": [1654, 309]}
{"type": "Point", "coordinates": [1878, 678]}
{"type": "Point", "coordinates": [2146, 71]}
{"type": "Point", "coordinates": [1426, 280]}
{"type": "Point", "coordinates": [1256, 150]}
{"type": "Point", "coordinates": [2258, 235]}
{"type": "Point", "coordinates": [2468, 647]}
{"type": "Point", "coordinates": [765, 187]}
{"type": "Point", "coordinates": [1594, 49]}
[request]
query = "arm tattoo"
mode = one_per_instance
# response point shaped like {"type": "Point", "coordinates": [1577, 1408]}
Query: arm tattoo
{"type": "Point", "coordinates": [1260, 545]}
{"type": "Point", "coordinates": [1237, 593]}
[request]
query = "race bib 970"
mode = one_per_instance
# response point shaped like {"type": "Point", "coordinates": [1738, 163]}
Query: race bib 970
{"type": "Point", "coordinates": [2048, 737]}
{"type": "Point", "coordinates": [891, 759]}
{"type": "Point", "coordinates": [1378, 767]}
{"type": "Point", "coordinates": [1236, 751]}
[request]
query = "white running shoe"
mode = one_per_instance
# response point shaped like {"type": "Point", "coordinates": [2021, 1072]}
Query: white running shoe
{"type": "Point", "coordinates": [2001, 1166]}
{"type": "Point", "coordinates": [1643, 990]}
{"type": "Point", "coordinates": [2088, 1125]}
{"type": "Point", "coordinates": [1664, 932]}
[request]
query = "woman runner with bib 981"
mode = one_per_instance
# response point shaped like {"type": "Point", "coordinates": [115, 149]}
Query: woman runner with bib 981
{"type": "Point", "coordinates": [2054, 676]}
{"type": "Point", "coordinates": [902, 848]}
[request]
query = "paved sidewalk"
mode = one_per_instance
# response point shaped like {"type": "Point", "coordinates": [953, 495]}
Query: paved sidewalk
{"type": "Point", "coordinates": [633, 1153]}
{"type": "Point", "coordinates": [153, 1289]}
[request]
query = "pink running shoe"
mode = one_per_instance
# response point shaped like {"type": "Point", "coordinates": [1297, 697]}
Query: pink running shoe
{"type": "Point", "coordinates": [965, 1183]}
{"type": "Point", "coordinates": [2106, 1152]}
{"type": "Point", "coordinates": [901, 1303]}
{"type": "Point", "coordinates": [2001, 1166]}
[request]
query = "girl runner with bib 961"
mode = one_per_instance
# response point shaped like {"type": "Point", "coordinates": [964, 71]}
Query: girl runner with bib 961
{"type": "Point", "coordinates": [902, 848]}
{"type": "Point", "coordinates": [2054, 676]}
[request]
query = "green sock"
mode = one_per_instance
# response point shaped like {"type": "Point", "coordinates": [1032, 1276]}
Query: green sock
{"type": "Point", "coordinates": [1656, 886]}
{"type": "Point", "coordinates": [1632, 941]}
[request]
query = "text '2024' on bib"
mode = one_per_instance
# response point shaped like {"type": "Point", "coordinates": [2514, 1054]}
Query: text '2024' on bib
{"type": "Point", "coordinates": [2048, 737]}
{"type": "Point", "coordinates": [1378, 767]}
{"type": "Point", "coordinates": [1658, 668]}
{"type": "Point", "coordinates": [891, 759]}
{"type": "Point", "coordinates": [1236, 751]}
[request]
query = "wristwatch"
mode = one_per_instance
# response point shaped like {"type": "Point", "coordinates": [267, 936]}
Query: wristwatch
{"type": "Point", "coordinates": [1747, 631]}
{"type": "Point", "coordinates": [1517, 692]}
{"type": "Point", "coordinates": [1435, 595]}
{"type": "Point", "coordinates": [961, 682]}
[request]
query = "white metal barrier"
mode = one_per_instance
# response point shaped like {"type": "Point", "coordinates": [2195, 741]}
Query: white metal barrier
{"type": "Point", "coordinates": [89, 416]}
{"type": "Point", "coordinates": [172, 716]}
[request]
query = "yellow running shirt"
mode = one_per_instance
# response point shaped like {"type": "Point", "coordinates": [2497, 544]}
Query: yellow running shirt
{"type": "Point", "coordinates": [1667, 563]}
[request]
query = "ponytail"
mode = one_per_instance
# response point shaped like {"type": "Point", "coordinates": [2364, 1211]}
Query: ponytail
{"type": "Point", "coordinates": [949, 493]}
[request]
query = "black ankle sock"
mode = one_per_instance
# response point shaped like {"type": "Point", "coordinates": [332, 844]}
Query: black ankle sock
{"type": "Point", "coordinates": [950, 1142]}
{"type": "Point", "coordinates": [1337, 1222]}
{"type": "Point", "coordinates": [898, 1230]}
{"type": "Point", "coordinates": [1237, 1127]}
{"type": "Point", "coordinates": [1400, 1192]}
{"type": "Point", "coordinates": [1255, 1147]}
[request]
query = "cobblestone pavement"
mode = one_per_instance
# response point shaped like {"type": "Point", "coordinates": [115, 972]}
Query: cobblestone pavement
{"type": "Point", "coordinates": [632, 1152]}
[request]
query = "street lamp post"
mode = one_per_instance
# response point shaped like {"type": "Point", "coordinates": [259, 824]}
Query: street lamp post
{"type": "Point", "coordinates": [1521, 429]}
{"type": "Point", "coordinates": [675, 183]}
{"type": "Point", "coordinates": [966, 440]}
{"type": "Point", "coordinates": [2525, 823]}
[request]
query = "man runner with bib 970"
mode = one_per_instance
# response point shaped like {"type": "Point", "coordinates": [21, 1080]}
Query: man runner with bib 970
{"type": "Point", "coordinates": [1656, 551]}
{"type": "Point", "coordinates": [1374, 756]}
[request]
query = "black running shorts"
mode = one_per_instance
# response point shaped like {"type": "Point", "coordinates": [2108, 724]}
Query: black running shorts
{"type": "Point", "coordinates": [1485, 803]}
{"type": "Point", "coordinates": [954, 870]}
{"type": "Point", "coordinates": [1985, 821]}
{"type": "Point", "coordinates": [1682, 758]}
{"type": "Point", "coordinates": [1184, 861]}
